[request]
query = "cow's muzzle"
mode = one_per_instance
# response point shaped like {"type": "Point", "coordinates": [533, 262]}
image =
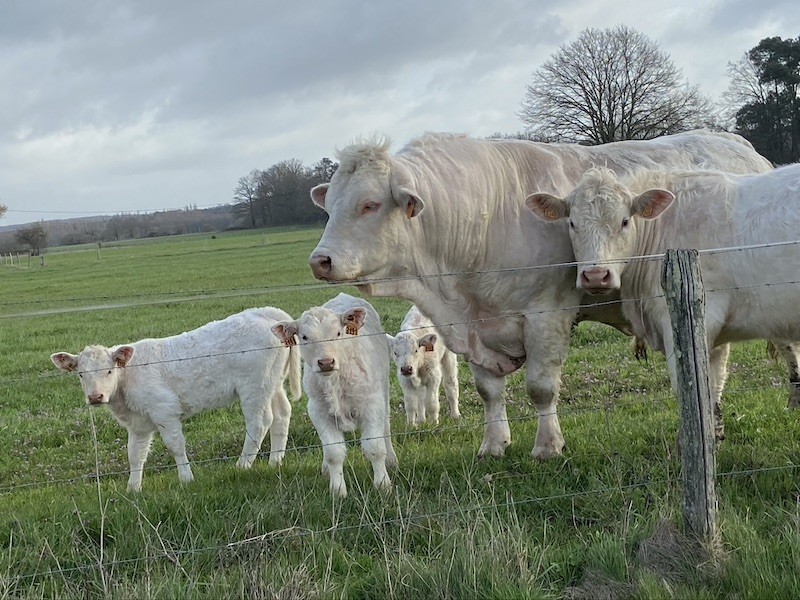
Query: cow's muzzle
{"type": "Point", "coordinates": [321, 266]}
{"type": "Point", "coordinates": [597, 280]}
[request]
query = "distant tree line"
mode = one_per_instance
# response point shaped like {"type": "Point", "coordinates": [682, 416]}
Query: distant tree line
{"type": "Point", "coordinates": [279, 195]}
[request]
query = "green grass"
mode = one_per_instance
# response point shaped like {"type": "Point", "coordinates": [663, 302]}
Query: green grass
{"type": "Point", "coordinates": [590, 523]}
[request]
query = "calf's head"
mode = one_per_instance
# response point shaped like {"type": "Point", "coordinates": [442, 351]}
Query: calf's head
{"type": "Point", "coordinates": [409, 352]}
{"type": "Point", "coordinates": [602, 216]}
{"type": "Point", "coordinates": [98, 369]}
{"type": "Point", "coordinates": [322, 336]}
{"type": "Point", "coordinates": [368, 200]}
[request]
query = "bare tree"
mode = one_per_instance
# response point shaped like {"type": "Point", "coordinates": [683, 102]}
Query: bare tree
{"type": "Point", "coordinates": [3, 209]}
{"type": "Point", "coordinates": [245, 196]}
{"type": "Point", "coordinates": [35, 237]}
{"type": "Point", "coordinates": [610, 85]}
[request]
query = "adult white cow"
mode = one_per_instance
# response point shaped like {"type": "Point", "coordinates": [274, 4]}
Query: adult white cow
{"type": "Point", "coordinates": [423, 364]}
{"type": "Point", "coordinates": [154, 384]}
{"type": "Point", "coordinates": [346, 378]}
{"type": "Point", "coordinates": [749, 293]}
{"type": "Point", "coordinates": [443, 223]}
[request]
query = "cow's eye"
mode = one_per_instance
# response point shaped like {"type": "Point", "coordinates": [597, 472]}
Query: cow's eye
{"type": "Point", "coordinates": [624, 223]}
{"type": "Point", "coordinates": [109, 372]}
{"type": "Point", "coordinates": [338, 334]}
{"type": "Point", "coordinates": [571, 224]}
{"type": "Point", "coordinates": [370, 207]}
{"type": "Point", "coordinates": [305, 339]}
{"type": "Point", "coordinates": [80, 375]}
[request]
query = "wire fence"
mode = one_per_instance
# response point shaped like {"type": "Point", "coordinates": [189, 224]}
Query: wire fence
{"type": "Point", "coordinates": [296, 531]}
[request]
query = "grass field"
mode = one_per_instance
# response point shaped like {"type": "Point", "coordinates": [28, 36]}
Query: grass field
{"type": "Point", "coordinates": [600, 521]}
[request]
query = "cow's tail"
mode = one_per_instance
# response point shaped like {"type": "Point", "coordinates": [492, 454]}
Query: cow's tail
{"type": "Point", "coordinates": [295, 376]}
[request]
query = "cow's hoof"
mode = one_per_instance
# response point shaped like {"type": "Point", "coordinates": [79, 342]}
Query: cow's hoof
{"type": "Point", "coordinates": [543, 453]}
{"type": "Point", "coordinates": [494, 450]}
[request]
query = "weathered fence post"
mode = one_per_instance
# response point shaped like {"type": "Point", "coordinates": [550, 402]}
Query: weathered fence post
{"type": "Point", "coordinates": [683, 285]}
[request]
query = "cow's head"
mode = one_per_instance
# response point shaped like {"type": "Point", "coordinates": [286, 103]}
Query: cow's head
{"type": "Point", "coordinates": [369, 200]}
{"type": "Point", "coordinates": [98, 369]}
{"type": "Point", "coordinates": [409, 352]}
{"type": "Point", "coordinates": [322, 336]}
{"type": "Point", "coordinates": [602, 215]}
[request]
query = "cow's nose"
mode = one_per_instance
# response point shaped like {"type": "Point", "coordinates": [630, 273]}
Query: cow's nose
{"type": "Point", "coordinates": [96, 398]}
{"type": "Point", "coordinates": [320, 266]}
{"type": "Point", "coordinates": [326, 364]}
{"type": "Point", "coordinates": [597, 277]}
{"type": "Point", "coordinates": [406, 371]}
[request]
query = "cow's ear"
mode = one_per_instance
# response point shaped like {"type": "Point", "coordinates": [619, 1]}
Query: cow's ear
{"type": "Point", "coordinates": [428, 342]}
{"type": "Point", "coordinates": [65, 361]}
{"type": "Point", "coordinates": [402, 187]}
{"type": "Point", "coordinates": [547, 207]}
{"type": "Point", "coordinates": [652, 203]}
{"type": "Point", "coordinates": [353, 320]}
{"type": "Point", "coordinates": [286, 332]}
{"type": "Point", "coordinates": [122, 355]}
{"type": "Point", "coordinates": [409, 202]}
{"type": "Point", "coordinates": [318, 194]}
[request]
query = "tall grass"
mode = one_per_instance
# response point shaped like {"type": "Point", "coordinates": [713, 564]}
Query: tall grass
{"type": "Point", "coordinates": [590, 523]}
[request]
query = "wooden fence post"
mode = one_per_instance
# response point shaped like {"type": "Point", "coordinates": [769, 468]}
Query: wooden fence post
{"type": "Point", "coordinates": [683, 284]}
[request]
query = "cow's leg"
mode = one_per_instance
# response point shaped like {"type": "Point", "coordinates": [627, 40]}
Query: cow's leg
{"type": "Point", "coordinates": [138, 449]}
{"type": "Point", "coordinates": [257, 411]}
{"type": "Point", "coordinates": [546, 342]}
{"type": "Point", "coordinates": [171, 432]}
{"type": "Point", "coordinates": [496, 432]}
{"type": "Point", "coordinates": [334, 450]}
{"type": "Point", "coordinates": [717, 376]}
{"type": "Point", "coordinates": [432, 396]}
{"type": "Point", "coordinates": [790, 351]}
{"type": "Point", "coordinates": [373, 445]}
{"type": "Point", "coordinates": [450, 380]}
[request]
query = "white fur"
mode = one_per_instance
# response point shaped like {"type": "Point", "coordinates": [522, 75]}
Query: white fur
{"type": "Point", "coordinates": [747, 294]}
{"type": "Point", "coordinates": [354, 394]}
{"type": "Point", "coordinates": [450, 204]}
{"type": "Point", "coordinates": [155, 384]}
{"type": "Point", "coordinates": [423, 364]}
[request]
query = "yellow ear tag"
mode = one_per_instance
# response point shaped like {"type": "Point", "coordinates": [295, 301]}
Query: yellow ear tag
{"type": "Point", "coordinates": [351, 329]}
{"type": "Point", "coordinates": [119, 364]}
{"type": "Point", "coordinates": [428, 347]}
{"type": "Point", "coordinates": [550, 213]}
{"type": "Point", "coordinates": [292, 341]}
{"type": "Point", "coordinates": [647, 211]}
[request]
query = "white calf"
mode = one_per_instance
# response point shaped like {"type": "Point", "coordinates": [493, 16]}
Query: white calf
{"type": "Point", "coordinates": [423, 363]}
{"type": "Point", "coordinates": [154, 384]}
{"type": "Point", "coordinates": [346, 379]}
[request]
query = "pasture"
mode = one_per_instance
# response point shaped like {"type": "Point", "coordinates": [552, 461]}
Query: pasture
{"type": "Point", "coordinates": [599, 520]}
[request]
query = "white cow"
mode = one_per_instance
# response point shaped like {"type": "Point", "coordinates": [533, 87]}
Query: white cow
{"type": "Point", "coordinates": [346, 379]}
{"type": "Point", "coordinates": [443, 224]}
{"type": "Point", "coordinates": [423, 364]}
{"type": "Point", "coordinates": [154, 384]}
{"type": "Point", "coordinates": [750, 293]}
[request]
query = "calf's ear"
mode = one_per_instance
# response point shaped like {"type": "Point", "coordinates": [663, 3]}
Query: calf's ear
{"type": "Point", "coordinates": [547, 207]}
{"type": "Point", "coordinates": [353, 320]}
{"type": "Point", "coordinates": [428, 342]}
{"type": "Point", "coordinates": [286, 332]}
{"type": "Point", "coordinates": [122, 355]}
{"type": "Point", "coordinates": [652, 203]}
{"type": "Point", "coordinates": [65, 361]}
{"type": "Point", "coordinates": [319, 193]}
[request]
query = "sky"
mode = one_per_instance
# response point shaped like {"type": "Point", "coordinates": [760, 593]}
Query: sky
{"type": "Point", "coordinates": [142, 105]}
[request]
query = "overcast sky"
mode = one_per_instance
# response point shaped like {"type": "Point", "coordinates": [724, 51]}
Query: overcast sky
{"type": "Point", "coordinates": [121, 105]}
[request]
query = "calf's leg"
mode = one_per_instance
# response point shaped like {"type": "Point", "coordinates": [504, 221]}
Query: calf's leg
{"type": "Point", "coordinates": [138, 449]}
